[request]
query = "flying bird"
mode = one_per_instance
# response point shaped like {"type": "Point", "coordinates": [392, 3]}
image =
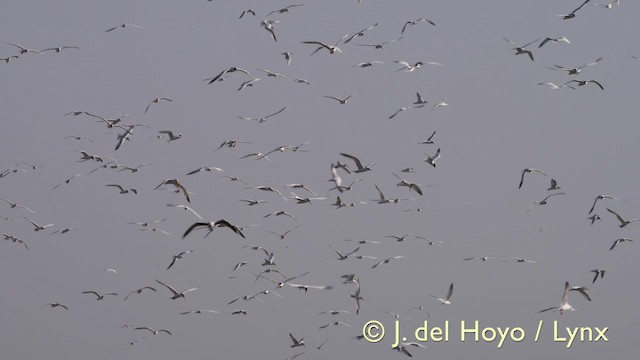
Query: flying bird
{"type": "Point", "coordinates": [623, 222]}
{"type": "Point", "coordinates": [176, 294]}
{"type": "Point", "coordinates": [358, 163]}
{"type": "Point", "coordinates": [554, 40]}
{"type": "Point", "coordinates": [598, 272]}
{"type": "Point", "coordinates": [543, 201]}
{"type": "Point", "coordinates": [576, 70]}
{"type": "Point", "coordinates": [179, 256]}
{"type": "Point", "coordinates": [155, 332]}
{"type": "Point", "coordinates": [416, 22]}
{"type": "Point", "coordinates": [139, 291]}
{"type": "Point", "coordinates": [124, 26]}
{"type": "Point", "coordinates": [572, 14]}
{"type": "Point", "coordinates": [431, 160]}
{"type": "Point", "coordinates": [619, 241]}
{"type": "Point", "coordinates": [264, 118]}
{"type": "Point", "coordinates": [585, 82]}
{"type": "Point", "coordinates": [212, 225]}
{"type": "Point", "coordinates": [521, 49]}
{"type": "Point", "coordinates": [344, 100]}
{"type": "Point", "coordinates": [177, 185]}
{"type": "Point", "coordinates": [447, 299]}
{"type": "Point", "coordinates": [600, 197]}
{"type": "Point", "coordinates": [226, 71]}
{"type": "Point", "coordinates": [155, 101]}
{"type": "Point", "coordinates": [99, 296]}
{"type": "Point", "coordinates": [564, 304]}
{"type": "Point", "coordinates": [16, 205]}
{"type": "Point", "coordinates": [528, 171]}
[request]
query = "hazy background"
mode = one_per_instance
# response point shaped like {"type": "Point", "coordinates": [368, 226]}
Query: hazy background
{"type": "Point", "coordinates": [498, 122]}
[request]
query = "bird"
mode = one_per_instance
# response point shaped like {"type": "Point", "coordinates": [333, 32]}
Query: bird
{"type": "Point", "coordinates": [431, 160]}
{"type": "Point", "coordinates": [23, 50]}
{"type": "Point", "coordinates": [231, 144]}
{"type": "Point", "coordinates": [442, 103]}
{"type": "Point", "coordinates": [179, 256]}
{"type": "Point", "coordinates": [528, 171]}
{"type": "Point", "coordinates": [247, 11]}
{"type": "Point", "coordinates": [356, 295]}
{"type": "Point", "coordinates": [416, 22]}
{"type": "Point", "coordinates": [123, 190]}
{"type": "Point", "coordinates": [330, 48]}
{"type": "Point", "coordinates": [124, 26]}
{"type": "Point", "coordinates": [342, 256]}
{"type": "Point", "coordinates": [600, 197]}
{"type": "Point", "coordinates": [60, 48]}
{"type": "Point", "coordinates": [594, 217]}
{"type": "Point", "coordinates": [155, 332]}
{"type": "Point", "coordinates": [380, 45]}
{"type": "Point", "coordinates": [483, 258]}
{"type": "Point", "coordinates": [576, 70]}
{"type": "Point", "coordinates": [9, 58]}
{"type": "Point", "coordinates": [264, 118]}
{"type": "Point", "coordinates": [572, 14]}
{"type": "Point", "coordinates": [447, 299]}
{"type": "Point", "coordinates": [429, 140]}
{"type": "Point", "coordinates": [307, 287]}
{"type": "Point", "coordinates": [553, 86]}
{"type": "Point", "coordinates": [187, 208]}
{"type": "Point", "coordinates": [205, 168]}
{"type": "Point", "coordinates": [176, 294]}
{"type": "Point", "coordinates": [584, 82]}
{"type": "Point", "coordinates": [342, 101]}
{"type": "Point", "coordinates": [367, 64]}
{"type": "Point", "coordinates": [268, 25]}
{"type": "Point", "coordinates": [16, 205]}
{"type": "Point", "coordinates": [270, 73]}
{"type": "Point", "coordinates": [296, 342]}
{"type": "Point", "coordinates": [411, 185]}
{"type": "Point", "coordinates": [171, 135]}
{"type": "Point", "coordinates": [99, 296]}
{"type": "Point", "coordinates": [619, 241]}
{"type": "Point", "coordinates": [284, 9]}
{"type": "Point", "coordinates": [205, 311]}
{"type": "Point", "coordinates": [253, 202]}
{"type": "Point", "coordinates": [358, 163]}
{"type": "Point", "coordinates": [399, 238]}
{"type": "Point", "coordinates": [554, 40]}
{"type": "Point", "coordinates": [15, 240]}
{"type": "Point", "coordinates": [553, 185]}
{"type": "Point", "coordinates": [248, 83]}
{"type": "Point", "coordinates": [139, 291]}
{"type": "Point", "coordinates": [523, 260]}
{"type": "Point", "coordinates": [564, 304]}
{"type": "Point", "coordinates": [177, 185]}
{"type": "Point", "coordinates": [155, 101]}
{"type": "Point", "coordinates": [212, 225]}
{"type": "Point", "coordinates": [53, 305]}
{"type": "Point", "coordinates": [350, 37]}
{"type": "Point", "coordinates": [386, 261]}
{"type": "Point", "coordinates": [238, 265]}
{"type": "Point", "coordinates": [63, 231]}
{"type": "Point", "coordinates": [582, 290]}
{"type": "Point", "coordinates": [226, 71]}
{"type": "Point", "coordinates": [543, 201]}
{"type": "Point", "coordinates": [412, 67]}
{"type": "Point", "coordinates": [623, 222]}
{"type": "Point", "coordinates": [283, 235]}
{"type": "Point", "coordinates": [610, 5]}
{"type": "Point", "coordinates": [288, 56]}
{"type": "Point", "coordinates": [521, 49]}
{"type": "Point", "coordinates": [598, 272]}
{"type": "Point", "coordinates": [38, 227]}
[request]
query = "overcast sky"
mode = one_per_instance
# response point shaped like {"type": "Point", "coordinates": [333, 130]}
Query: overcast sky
{"type": "Point", "coordinates": [498, 121]}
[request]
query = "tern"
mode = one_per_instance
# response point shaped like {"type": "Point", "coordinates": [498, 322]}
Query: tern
{"type": "Point", "coordinates": [248, 83]}
{"type": "Point", "coordinates": [132, 169]}
{"type": "Point", "coordinates": [15, 240]}
{"type": "Point", "coordinates": [399, 238]}
{"type": "Point", "coordinates": [123, 190]}
{"type": "Point", "coordinates": [9, 58]}
{"type": "Point", "coordinates": [553, 86]}
{"type": "Point", "coordinates": [24, 50]}
{"type": "Point", "coordinates": [283, 235]}
{"type": "Point", "coordinates": [553, 185]}
{"type": "Point", "coordinates": [584, 82]}
{"type": "Point", "coordinates": [205, 311]}
{"type": "Point", "coordinates": [212, 225]}
{"type": "Point", "coordinates": [386, 261]}
{"type": "Point", "coordinates": [234, 178]}
{"type": "Point", "coordinates": [367, 64]}
{"type": "Point", "coordinates": [331, 49]}
{"type": "Point", "coordinates": [155, 101]}
{"type": "Point", "coordinates": [412, 67]}
{"type": "Point", "coordinates": [288, 56]}
{"type": "Point", "coordinates": [248, 11]}
{"type": "Point", "coordinates": [334, 312]}
{"type": "Point", "coordinates": [350, 37]}
{"type": "Point", "coordinates": [342, 101]}
{"type": "Point", "coordinates": [598, 272]}
{"type": "Point", "coordinates": [179, 256]}
{"type": "Point", "coordinates": [600, 197]}
{"type": "Point", "coordinates": [16, 205]}
{"type": "Point", "coordinates": [238, 265]}
{"type": "Point", "coordinates": [67, 181]}
{"type": "Point", "coordinates": [38, 227]}
{"type": "Point", "coordinates": [205, 168]}
{"type": "Point", "coordinates": [582, 290]}
{"type": "Point", "coordinates": [270, 73]}
{"type": "Point", "coordinates": [60, 48]}
{"type": "Point", "coordinates": [358, 163]}
{"type": "Point", "coordinates": [357, 296]}
{"type": "Point", "coordinates": [412, 186]}
{"type": "Point", "coordinates": [623, 222]}
{"type": "Point", "coordinates": [124, 26]}
{"type": "Point", "coordinates": [187, 208]}
{"type": "Point", "coordinates": [594, 217]}
{"type": "Point", "coordinates": [231, 144]}
{"type": "Point", "coordinates": [429, 140]}
{"type": "Point", "coordinates": [528, 171]}
{"type": "Point", "coordinates": [483, 258]}
{"type": "Point", "coordinates": [523, 260]}
{"type": "Point", "coordinates": [572, 14]}
{"type": "Point", "coordinates": [226, 71]}
{"type": "Point", "coordinates": [53, 305]}
{"type": "Point", "coordinates": [253, 202]}
{"type": "Point", "coordinates": [307, 287]}
{"type": "Point", "coordinates": [176, 294]}
{"type": "Point", "coordinates": [378, 46]}
{"type": "Point", "coordinates": [442, 103]}
{"type": "Point", "coordinates": [78, 137]}
{"type": "Point", "coordinates": [416, 22]}
{"type": "Point", "coordinates": [155, 332]}
{"type": "Point", "coordinates": [576, 70]}
{"type": "Point", "coordinates": [447, 299]}
{"type": "Point", "coordinates": [171, 135]}
{"type": "Point", "coordinates": [554, 40]}
{"type": "Point", "coordinates": [177, 185]}
{"type": "Point", "coordinates": [263, 119]}
{"type": "Point", "coordinates": [284, 9]}
{"type": "Point", "coordinates": [610, 5]}
{"type": "Point", "coordinates": [564, 304]}
{"type": "Point", "coordinates": [296, 342]}
{"type": "Point", "coordinates": [342, 256]}
{"type": "Point", "coordinates": [431, 160]}
{"type": "Point", "coordinates": [268, 25]}
{"type": "Point", "coordinates": [139, 291]}
{"type": "Point", "coordinates": [402, 347]}
{"type": "Point", "coordinates": [619, 241]}
{"type": "Point", "coordinates": [302, 81]}
{"type": "Point", "coordinates": [99, 296]}
{"type": "Point", "coordinates": [543, 201]}
{"type": "Point", "coordinates": [521, 49]}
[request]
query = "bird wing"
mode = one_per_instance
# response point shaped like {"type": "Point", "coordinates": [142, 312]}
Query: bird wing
{"type": "Point", "coordinates": [193, 227]}
{"type": "Point", "coordinates": [565, 294]}
{"type": "Point", "coordinates": [611, 211]}
{"type": "Point", "coordinates": [450, 292]}
{"type": "Point", "coordinates": [355, 159]}
{"type": "Point", "coordinates": [167, 286]}
{"type": "Point", "coordinates": [225, 223]}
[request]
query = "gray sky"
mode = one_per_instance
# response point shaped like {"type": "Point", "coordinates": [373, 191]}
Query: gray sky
{"type": "Point", "coordinates": [498, 122]}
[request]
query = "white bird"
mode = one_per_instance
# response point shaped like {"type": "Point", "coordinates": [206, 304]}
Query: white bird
{"type": "Point", "coordinates": [253, 202]}
{"type": "Point", "coordinates": [268, 26]}
{"type": "Point", "coordinates": [358, 163]}
{"type": "Point", "coordinates": [429, 140]}
{"type": "Point", "coordinates": [564, 304]}
{"type": "Point", "coordinates": [176, 294]}
{"type": "Point", "coordinates": [280, 213]}
{"type": "Point", "coordinates": [623, 222]}
{"type": "Point", "coordinates": [247, 11]}
{"type": "Point", "coordinates": [270, 73]}
{"type": "Point", "coordinates": [576, 70]}
{"type": "Point", "coordinates": [610, 5]}
{"type": "Point", "coordinates": [212, 225]}
{"type": "Point", "coordinates": [553, 86]}
{"type": "Point", "coordinates": [99, 296]}
{"type": "Point", "coordinates": [155, 101]}
{"type": "Point", "coordinates": [386, 261]}
{"type": "Point", "coordinates": [342, 256]}
{"type": "Point", "coordinates": [367, 64]}
{"type": "Point", "coordinates": [416, 22]}
{"type": "Point", "coordinates": [523, 260]}
{"type": "Point", "coordinates": [38, 227]}
{"type": "Point", "coordinates": [177, 185]}
{"type": "Point", "coordinates": [248, 83]}
{"type": "Point", "coordinates": [16, 205]}
{"type": "Point", "coordinates": [283, 235]}
{"type": "Point", "coordinates": [155, 332]}
{"type": "Point", "coordinates": [296, 342]}
{"type": "Point", "coordinates": [187, 208]}
{"type": "Point", "coordinates": [521, 49]}
{"type": "Point", "coordinates": [344, 100]}
{"type": "Point", "coordinates": [598, 272]}
{"type": "Point", "coordinates": [572, 14]}
{"type": "Point", "coordinates": [124, 26]}
{"type": "Point", "coordinates": [543, 201]}
{"type": "Point", "coordinates": [585, 82]}
{"type": "Point", "coordinates": [205, 311]}
{"type": "Point", "coordinates": [205, 168]}
{"type": "Point", "coordinates": [53, 305]}
{"type": "Point", "coordinates": [9, 58]}
{"type": "Point", "coordinates": [582, 290]}
{"type": "Point", "coordinates": [331, 49]}
{"type": "Point", "coordinates": [431, 160]}
{"type": "Point", "coordinates": [123, 190]}
{"type": "Point", "coordinates": [171, 135]}
{"type": "Point", "coordinates": [178, 257]}
{"type": "Point", "coordinates": [15, 240]}
{"type": "Point", "coordinates": [264, 118]}
{"type": "Point", "coordinates": [594, 217]}
{"type": "Point", "coordinates": [447, 299]}
{"type": "Point", "coordinates": [307, 287]}
{"type": "Point", "coordinates": [600, 197]}
{"type": "Point", "coordinates": [288, 56]}
{"type": "Point", "coordinates": [23, 50]}
{"type": "Point", "coordinates": [554, 40]}
{"type": "Point", "coordinates": [356, 296]}
{"type": "Point", "coordinates": [60, 48]}
{"type": "Point", "coordinates": [619, 241]}
{"type": "Point", "coordinates": [528, 171]}
{"type": "Point", "coordinates": [412, 67]}
{"type": "Point", "coordinates": [350, 37]}
{"type": "Point", "coordinates": [442, 103]}
{"type": "Point", "coordinates": [226, 71]}
{"type": "Point", "coordinates": [139, 291]}
{"type": "Point", "coordinates": [231, 144]}
{"type": "Point", "coordinates": [380, 45]}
